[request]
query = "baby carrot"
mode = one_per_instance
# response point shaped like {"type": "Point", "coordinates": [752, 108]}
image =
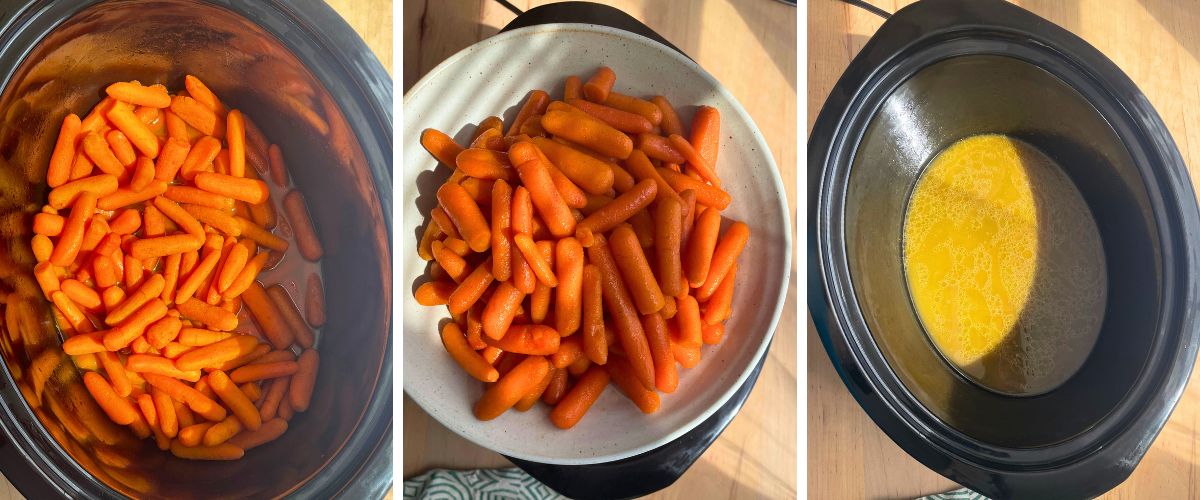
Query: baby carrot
{"type": "Point", "coordinates": [116, 373]}
{"type": "Point", "coordinates": [666, 378]}
{"type": "Point", "coordinates": [485, 164]}
{"type": "Point", "coordinates": [63, 156]}
{"type": "Point", "coordinates": [501, 230]}
{"type": "Point", "coordinates": [270, 431]}
{"type": "Point", "coordinates": [576, 402]}
{"type": "Point", "coordinates": [472, 287]}
{"type": "Point", "coordinates": [556, 388]}
{"type": "Point", "coordinates": [634, 105]}
{"type": "Point", "coordinates": [635, 270]}
{"type": "Point", "coordinates": [235, 399]}
{"type": "Point", "coordinates": [705, 194]}
{"type": "Point", "coordinates": [622, 376]}
{"type": "Point", "coordinates": [658, 148]}
{"type": "Point", "coordinates": [134, 93]}
{"type": "Point", "coordinates": [222, 431]}
{"type": "Point", "coordinates": [251, 191]}
{"type": "Point", "coordinates": [456, 344]}
{"type": "Point", "coordinates": [535, 104]}
{"type": "Point", "coordinates": [623, 311]}
{"type": "Point", "coordinates": [441, 146]}
{"type": "Point", "coordinates": [600, 84]}
{"type": "Point", "coordinates": [501, 309]}
{"type": "Point", "coordinates": [269, 319]}
{"type": "Point", "coordinates": [71, 238]}
{"type": "Point", "coordinates": [667, 236]}
{"type": "Point", "coordinates": [301, 388]}
{"type": "Point", "coordinates": [670, 121]}
{"type": "Point", "coordinates": [541, 268]}
{"type": "Point", "coordinates": [210, 316]}
{"type": "Point", "coordinates": [196, 114]}
{"type": "Point", "coordinates": [98, 150]}
{"type": "Point", "coordinates": [97, 185]}
{"type": "Point", "coordinates": [583, 129]}
{"type": "Point", "coordinates": [238, 256]}
{"type": "Point", "coordinates": [202, 94]}
{"type": "Point", "coordinates": [163, 331]}
{"type": "Point", "coordinates": [314, 301]}
{"type": "Point", "coordinates": [622, 181]}
{"type": "Point", "coordinates": [275, 394]}
{"type": "Point", "coordinates": [121, 147]}
{"type": "Point", "coordinates": [569, 351]}
{"type": "Point", "coordinates": [466, 215]}
{"type": "Point", "coordinates": [595, 344]}
{"type": "Point", "coordinates": [568, 294]}
{"type": "Point", "coordinates": [190, 435]}
{"type": "Point", "coordinates": [545, 197]}
{"type": "Point", "coordinates": [624, 121]}
{"type": "Point", "coordinates": [81, 294]}
{"type": "Point", "coordinates": [435, 293]}
{"type": "Point", "coordinates": [502, 395]}
{"type": "Point", "coordinates": [42, 248]}
{"type": "Point", "coordinates": [291, 315]}
{"type": "Point", "coordinates": [224, 451]}
{"type": "Point", "coordinates": [621, 208]}
{"type": "Point", "coordinates": [640, 167]}
{"type": "Point", "coordinates": [263, 371]}
{"type": "Point", "coordinates": [572, 88]}
{"type": "Point", "coordinates": [706, 133]}
{"type": "Point", "coordinates": [302, 226]}
{"type": "Point", "coordinates": [695, 160]}
{"type": "Point", "coordinates": [701, 244]}
{"type": "Point", "coordinates": [589, 173]}
{"type": "Point", "coordinates": [530, 398]}
{"type": "Point", "coordinates": [235, 136]}
{"type": "Point", "coordinates": [164, 408]}
{"type": "Point", "coordinates": [528, 339]}
{"type": "Point", "coordinates": [137, 132]}
{"type": "Point", "coordinates": [119, 409]}
{"type": "Point", "coordinates": [133, 326]}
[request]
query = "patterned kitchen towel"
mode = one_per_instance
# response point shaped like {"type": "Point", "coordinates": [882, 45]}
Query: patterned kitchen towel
{"type": "Point", "coordinates": [959, 494]}
{"type": "Point", "coordinates": [484, 484]}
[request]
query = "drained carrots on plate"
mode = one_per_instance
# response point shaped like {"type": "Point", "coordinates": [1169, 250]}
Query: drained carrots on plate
{"type": "Point", "coordinates": [156, 232]}
{"type": "Point", "coordinates": [582, 245]}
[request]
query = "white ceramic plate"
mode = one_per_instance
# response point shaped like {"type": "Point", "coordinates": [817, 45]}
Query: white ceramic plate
{"type": "Point", "coordinates": [493, 77]}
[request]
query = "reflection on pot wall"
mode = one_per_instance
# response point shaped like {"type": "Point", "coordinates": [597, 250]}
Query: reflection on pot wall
{"type": "Point", "coordinates": [160, 42]}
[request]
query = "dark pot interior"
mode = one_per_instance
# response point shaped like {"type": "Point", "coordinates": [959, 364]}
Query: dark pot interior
{"type": "Point", "coordinates": [274, 62]}
{"type": "Point", "coordinates": [989, 94]}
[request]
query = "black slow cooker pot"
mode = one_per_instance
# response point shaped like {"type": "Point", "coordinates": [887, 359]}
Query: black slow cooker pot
{"type": "Point", "coordinates": [56, 58]}
{"type": "Point", "coordinates": [936, 72]}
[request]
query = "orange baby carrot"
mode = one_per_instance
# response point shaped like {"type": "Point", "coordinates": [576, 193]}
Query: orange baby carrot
{"type": "Point", "coordinates": [133, 326]}
{"type": "Point", "coordinates": [501, 309]}
{"type": "Point", "coordinates": [434, 293]}
{"type": "Point", "coordinates": [164, 409]}
{"type": "Point", "coordinates": [199, 337]}
{"type": "Point", "coordinates": [161, 246]}
{"type": "Point", "coordinates": [125, 197]}
{"type": "Point", "coordinates": [81, 294]}
{"type": "Point", "coordinates": [67, 194]}
{"type": "Point", "coordinates": [624, 121]}
{"type": "Point", "coordinates": [530, 398]}
{"type": "Point", "coordinates": [535, 104]}
{"type": "Point", "coordinates": [471, 288]}
{"type": "Point", "coordinates": [201, 154]}
{"type": "Point", "coordinates": [471, 362]}
{"type": "Point", "coordinates": [163, 331]}
{"type": "Point", "coordinates": [235, 399]}
{"type": "Point", "coordinates": [279, 173]}
{"type": "Point", "coordinates": [262, 371]}
{"type": "Point", "coordinates": [96, 231]}
{"type": "Point", "coordinates": [174, 152]}
{"type": "Point", "coordinates": [121, 148]}
{"type": "Point", "coordinates": [528, 339]}
{"type": "Point", "coordinates": [196, 114]}
{"type": "Point", "coordinates": [583, 129]}
{"type": "Point", "coordinates": [441, 146]}
{"type": "Point", "coordinates": [149, 363]}
{"type": "Point", "coordinates": [640, 167]}
{"type": "Point", "coordinates": [589, 173]}
{"type": "Point", "coordinates": [314, 301]}
{"type": "Point", "coordinates": [154, 96]}
{"type": "Point", "coordinates": [84, 343]}
{"type": "Point", "coordinates": [600, 84]}
{"type": "Point", "coordinates": [270, 431]}
{"type": "Point", "coordinates": [116, 373]}
{"type": "Point", "coordinates": [666, 378]}
{"type": "Point", "coordinates": [211, 316]}
{"type": "Point", "coordinates": [541, 268]}
{"type": "Point", "coordinates": [188, 286]}
{"type": "Point", "coordinates": [235, 136]}
{"type": "Point", "coordinates": [635, 270]}
{"type": "Point", "coordinates": [545, 197]}
{"type": "Point", "coordinates": [202, 94]}
{"type": "Point", "coordinates": [71, 238]}
{"type": "Point", "coordinates": [127, 222]}
{"type": "Point", "coordinates": [705, 194]}
{"type": "Point", "coordinates": [622, 181]}
{"type": "Point", "coordinates": [119, 409]}
{"type": "Point", "coordinates": [98, 150]}
{"type": "Point", "coordinates": [301, 388]}
{"type": "Point", "coordinates": [223, 451]}
{"type": "Point", "coordinates": [291, 315]}
{"type": "Point", "coordinates": [689, 320]}
{"type": "Point", "coordinates": [63, 156]}
{"type": "Point", "coordinates": [47, 278]}
{"type": "Point", "coordinates": [595, 344]}
{"type": "Point", "coordinates": [196, 401]}
{"type": "Point", "coordinates": [501, 230]}
{"type": "Point", "coordinates": [260, 235]}
{"type": "Point", "coordinates": [572, 88]}
{"type": "Point", "coordinates": [302, 226]}
{"type": "Point", "coordinates": [556, 388]}
{"type": "Point", "coordinates": [569, 351]}
{"type": "Point", "coordinates": [269, 319]}
{"type": "Point", "coordinates": [670, 121]}
{"type": "Point", "coordinates": [622, 376]}
{"type": "Point", "coordinates": [634, 105]}
{"type": "Point", "coordinates": [509, 389]}
{"type": "Point", "coordinates": [252, 191]}
{"type": "Point", "coordinates": [42, 247]}
{"type": "Point", "coordinates": [137, 132]}
{"type": "Point", "coordinates": [623, 311]}
{"type": "Point", "coordinates": [576, 402]}
{"type": "Point", "coordinates": [568, 301]}
{"type": "Point", "coordinates": [668, 221]}
{"type": "Point", "coordinates": [238, 256]}
{"type": "Point", "coordinates": [222, 431]}
{"type": "Point", "coordinates": [485, 164]}
{"type": "Point", "coordinates": [275, 394]}
{"type": "Point", "coordinates": [695, 160]}
{"type": "Point", "coordinates": [621, 208]}
{"type": "Point", "coordinates": [701, 243]}
{"type": "Point", "coordinates": [724, 257]}
{"type": "Point", "coordinates": [658, 148]}
{"type": "Point", "coordinates": [706, 133]}
{"type": "Point", "coordinates": [454, 265]}
{"type": "Point", "coordinates": [466, 215]}
{"type": "Point", "coordinates": [186, 221]}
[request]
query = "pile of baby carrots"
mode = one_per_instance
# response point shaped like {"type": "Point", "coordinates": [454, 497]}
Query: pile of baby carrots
{"type": "Point", "coordinates": [579, 245]}
{"type": "Point", "coordinates": [152, 239]}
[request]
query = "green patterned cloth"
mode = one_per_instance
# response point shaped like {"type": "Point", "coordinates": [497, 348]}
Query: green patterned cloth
{"type": "Point", "coordinates": [959, 494]}
{"type": "Point", "coordinates": [484, 484]}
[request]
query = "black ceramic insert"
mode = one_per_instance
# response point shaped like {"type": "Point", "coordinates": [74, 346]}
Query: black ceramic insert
{"type": "Point", "coordinates": [658, 468]}
{"type": "Point", "coordinates": [942, 70]}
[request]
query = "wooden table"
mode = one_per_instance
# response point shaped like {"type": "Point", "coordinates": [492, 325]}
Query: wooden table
{"type": "Point", "coordinates": [372, 20]}
{"type": "Point", "coordinates": [750, 46]}
{"type": "Point", "coordinates": [1156, 42]}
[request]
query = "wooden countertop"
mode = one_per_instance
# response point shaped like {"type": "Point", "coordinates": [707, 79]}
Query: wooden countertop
{"type": "Point", "coordinates": [1156, 42]}
{"type": "Point", "coordinates": [756, 455]}
{"type": "Point", "coordinates": [372, 20]}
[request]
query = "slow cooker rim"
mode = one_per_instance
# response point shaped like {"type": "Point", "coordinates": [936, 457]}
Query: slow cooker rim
{"type": "Point", "coordinates": [24, 27]}
{"type": "Point", "coordinates": [830, 310]}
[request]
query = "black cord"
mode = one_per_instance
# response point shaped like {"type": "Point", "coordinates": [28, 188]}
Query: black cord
{"type": "Point", "coordinates": [511, 8]}
{"type": "Point", "coordinates": [862, 4]}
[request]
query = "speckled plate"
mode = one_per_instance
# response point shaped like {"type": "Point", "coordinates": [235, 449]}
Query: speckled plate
{"type": "Point", "coordinates": [493, 77]}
